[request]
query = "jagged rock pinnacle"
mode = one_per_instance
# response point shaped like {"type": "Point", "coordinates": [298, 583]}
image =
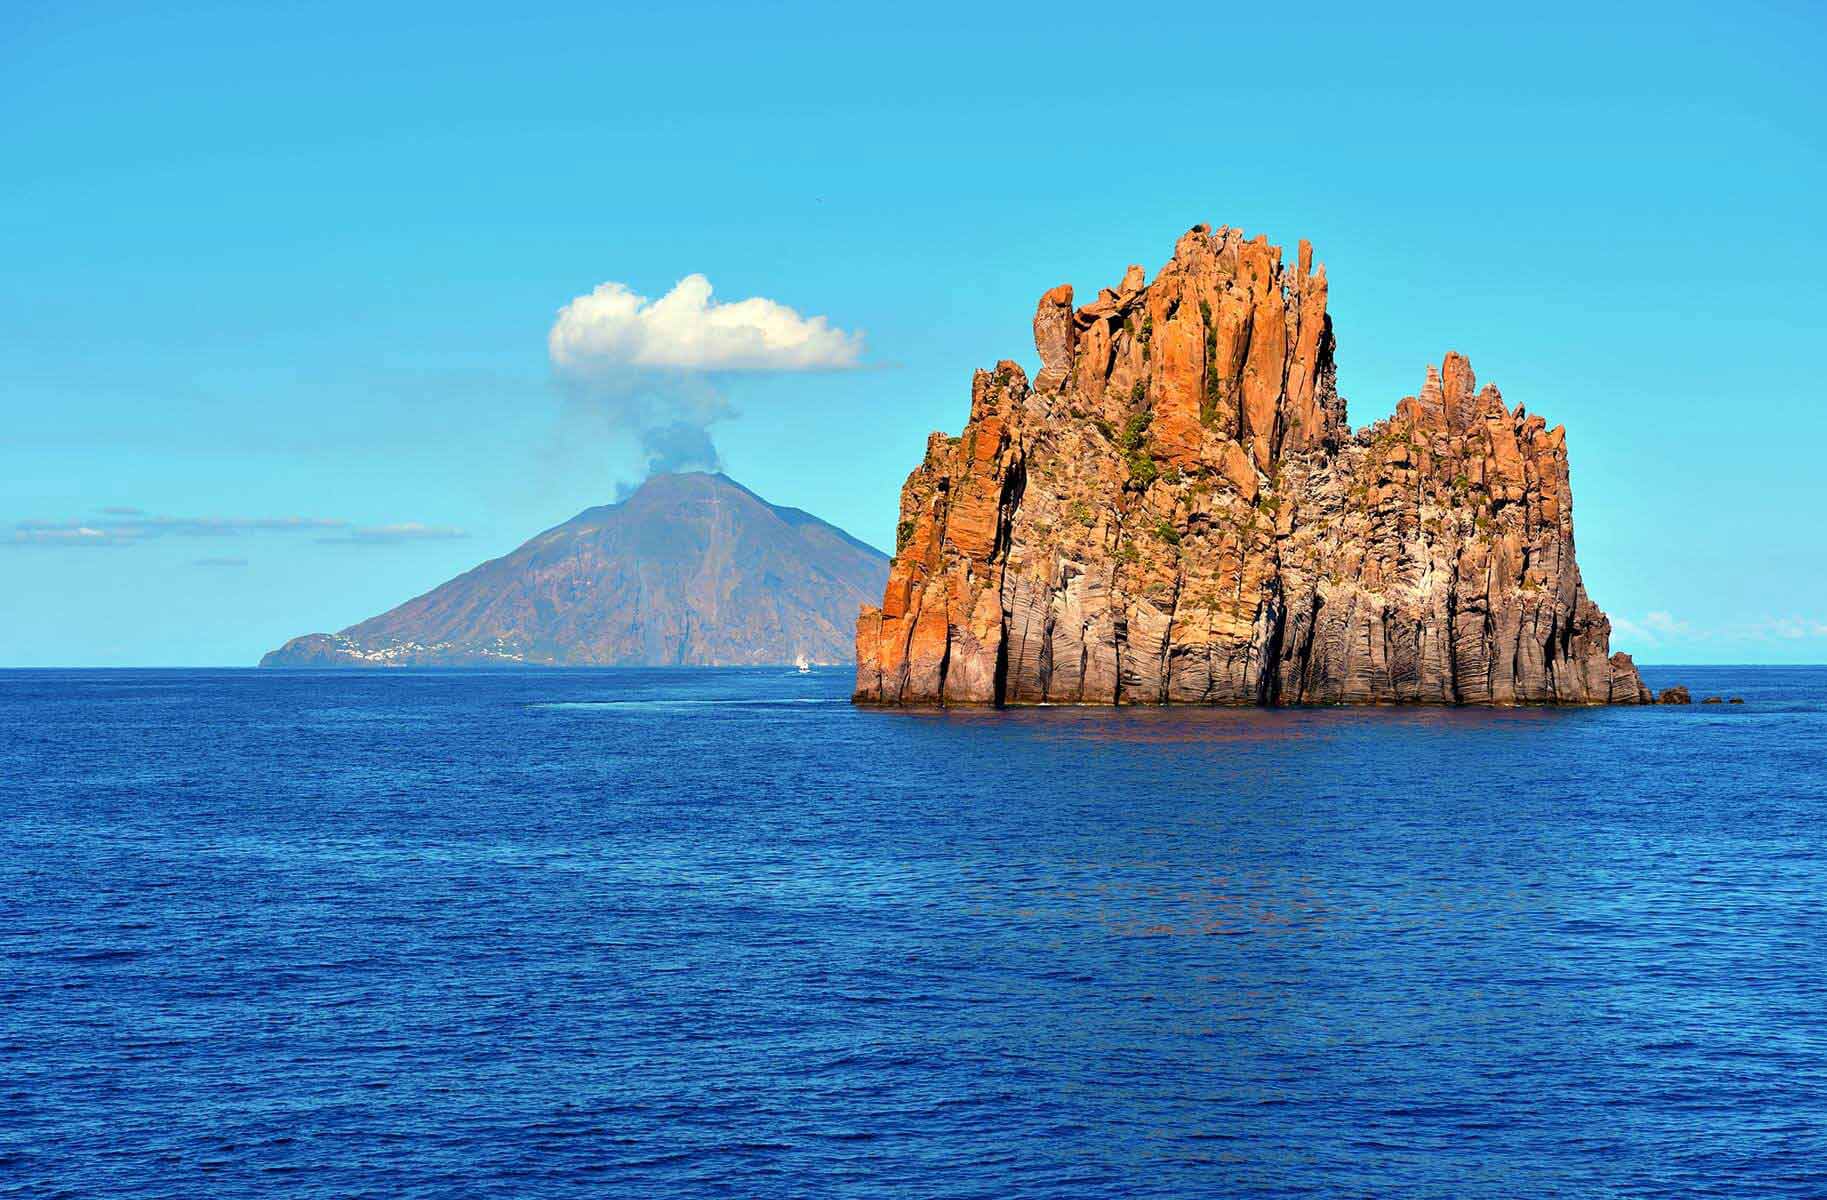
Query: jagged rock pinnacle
{"type": "Point", "coordinates": [1176, 511]}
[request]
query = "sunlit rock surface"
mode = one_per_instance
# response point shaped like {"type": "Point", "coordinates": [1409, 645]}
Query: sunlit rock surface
{"type": "Point", "coordinates": [1175, 511]}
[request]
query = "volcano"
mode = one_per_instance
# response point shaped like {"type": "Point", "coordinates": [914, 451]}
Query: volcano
{"type": "Point", "coordinates": [690, 570]}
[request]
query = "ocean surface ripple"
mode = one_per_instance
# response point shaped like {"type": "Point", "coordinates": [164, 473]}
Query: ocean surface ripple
{"type": "Point", "coordinates": [717, 933]}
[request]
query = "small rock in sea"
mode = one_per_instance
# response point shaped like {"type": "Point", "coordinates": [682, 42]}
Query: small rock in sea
{"type": "Point", "coordinates": [1674, 695]}
{"type": "Point", "coordinates": [1714, 700]}
{"type": "Point", "coordinates": [1736, 700]}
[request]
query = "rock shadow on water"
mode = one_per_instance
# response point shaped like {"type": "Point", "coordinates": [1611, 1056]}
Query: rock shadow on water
{"type": "Point", "coordinates": [1206, 725]}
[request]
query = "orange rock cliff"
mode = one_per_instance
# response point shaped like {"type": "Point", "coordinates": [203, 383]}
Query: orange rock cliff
{"type": "Point", "coordinates": [1175, 511]}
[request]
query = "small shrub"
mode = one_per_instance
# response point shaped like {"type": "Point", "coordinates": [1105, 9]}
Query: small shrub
{"type": "Point", "coordinates": [1210, 396]}
{"type": "Point", "coordinates": [1135, 430]}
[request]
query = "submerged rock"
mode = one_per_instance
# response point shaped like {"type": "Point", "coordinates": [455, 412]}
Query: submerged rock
{"type": "Point", "coordinates": [1175, 510]}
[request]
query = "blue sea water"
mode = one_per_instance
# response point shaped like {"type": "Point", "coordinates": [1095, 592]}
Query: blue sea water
{"type": "Point", "coordinates": [717, 933]}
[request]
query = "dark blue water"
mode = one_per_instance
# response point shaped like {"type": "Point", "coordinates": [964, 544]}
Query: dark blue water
{"type": "Point", "coordinates": [708, 933]}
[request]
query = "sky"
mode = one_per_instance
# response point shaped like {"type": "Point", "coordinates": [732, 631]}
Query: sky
{"type": "Point", "coordinates": [307, 308]}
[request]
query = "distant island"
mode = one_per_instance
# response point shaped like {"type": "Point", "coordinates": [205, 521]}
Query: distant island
{"type": "Point", "coordinates": [1176, 511]}
{"type": "Point", "coordinates": [691, 570]}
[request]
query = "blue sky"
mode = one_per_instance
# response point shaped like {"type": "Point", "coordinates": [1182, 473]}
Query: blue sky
{"type": "Point", "coordinates": [280, 278]}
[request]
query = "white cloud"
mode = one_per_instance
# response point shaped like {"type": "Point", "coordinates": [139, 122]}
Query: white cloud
{"type": "Point", "coordinates": [143, 526]}
{"type": "Point", "coordinates": [1657, 629]}
{"type": "Point", "coordinates": [1652, 629]}
{"type": "Point", "coordinates": [137, 529]}
{"type": "Point", "coordinates": [37, 533]}
{"type": "Point", "coordinates": [405, 531]}
{"type": "Point", "coordinates": [1790, 629]}
{"type": "Point", "coordinates": [685, 329]}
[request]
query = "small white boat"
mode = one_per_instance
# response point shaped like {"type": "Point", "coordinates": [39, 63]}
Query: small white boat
{"type": "Point", "coordinates": [805, 668]}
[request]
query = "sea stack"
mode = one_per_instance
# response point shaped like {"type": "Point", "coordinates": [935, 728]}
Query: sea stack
{"type": "Point", "coordinates": [1176, 511]}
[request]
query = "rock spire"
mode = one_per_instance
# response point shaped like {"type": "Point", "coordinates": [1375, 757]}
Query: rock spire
{"type": "Point", "coordinates": [1175, 511]}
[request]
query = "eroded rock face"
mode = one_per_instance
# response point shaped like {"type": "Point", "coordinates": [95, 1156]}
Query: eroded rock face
{"type": "Point", "coordinates": [1175, 511]}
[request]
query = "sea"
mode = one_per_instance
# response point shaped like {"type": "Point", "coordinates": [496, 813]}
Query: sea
{"type": "Point", "coordinates": [717, 933]}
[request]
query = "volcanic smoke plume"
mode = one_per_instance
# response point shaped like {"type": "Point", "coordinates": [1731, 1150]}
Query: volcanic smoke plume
{"type": "Point", "coordinates": [654, 370]}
